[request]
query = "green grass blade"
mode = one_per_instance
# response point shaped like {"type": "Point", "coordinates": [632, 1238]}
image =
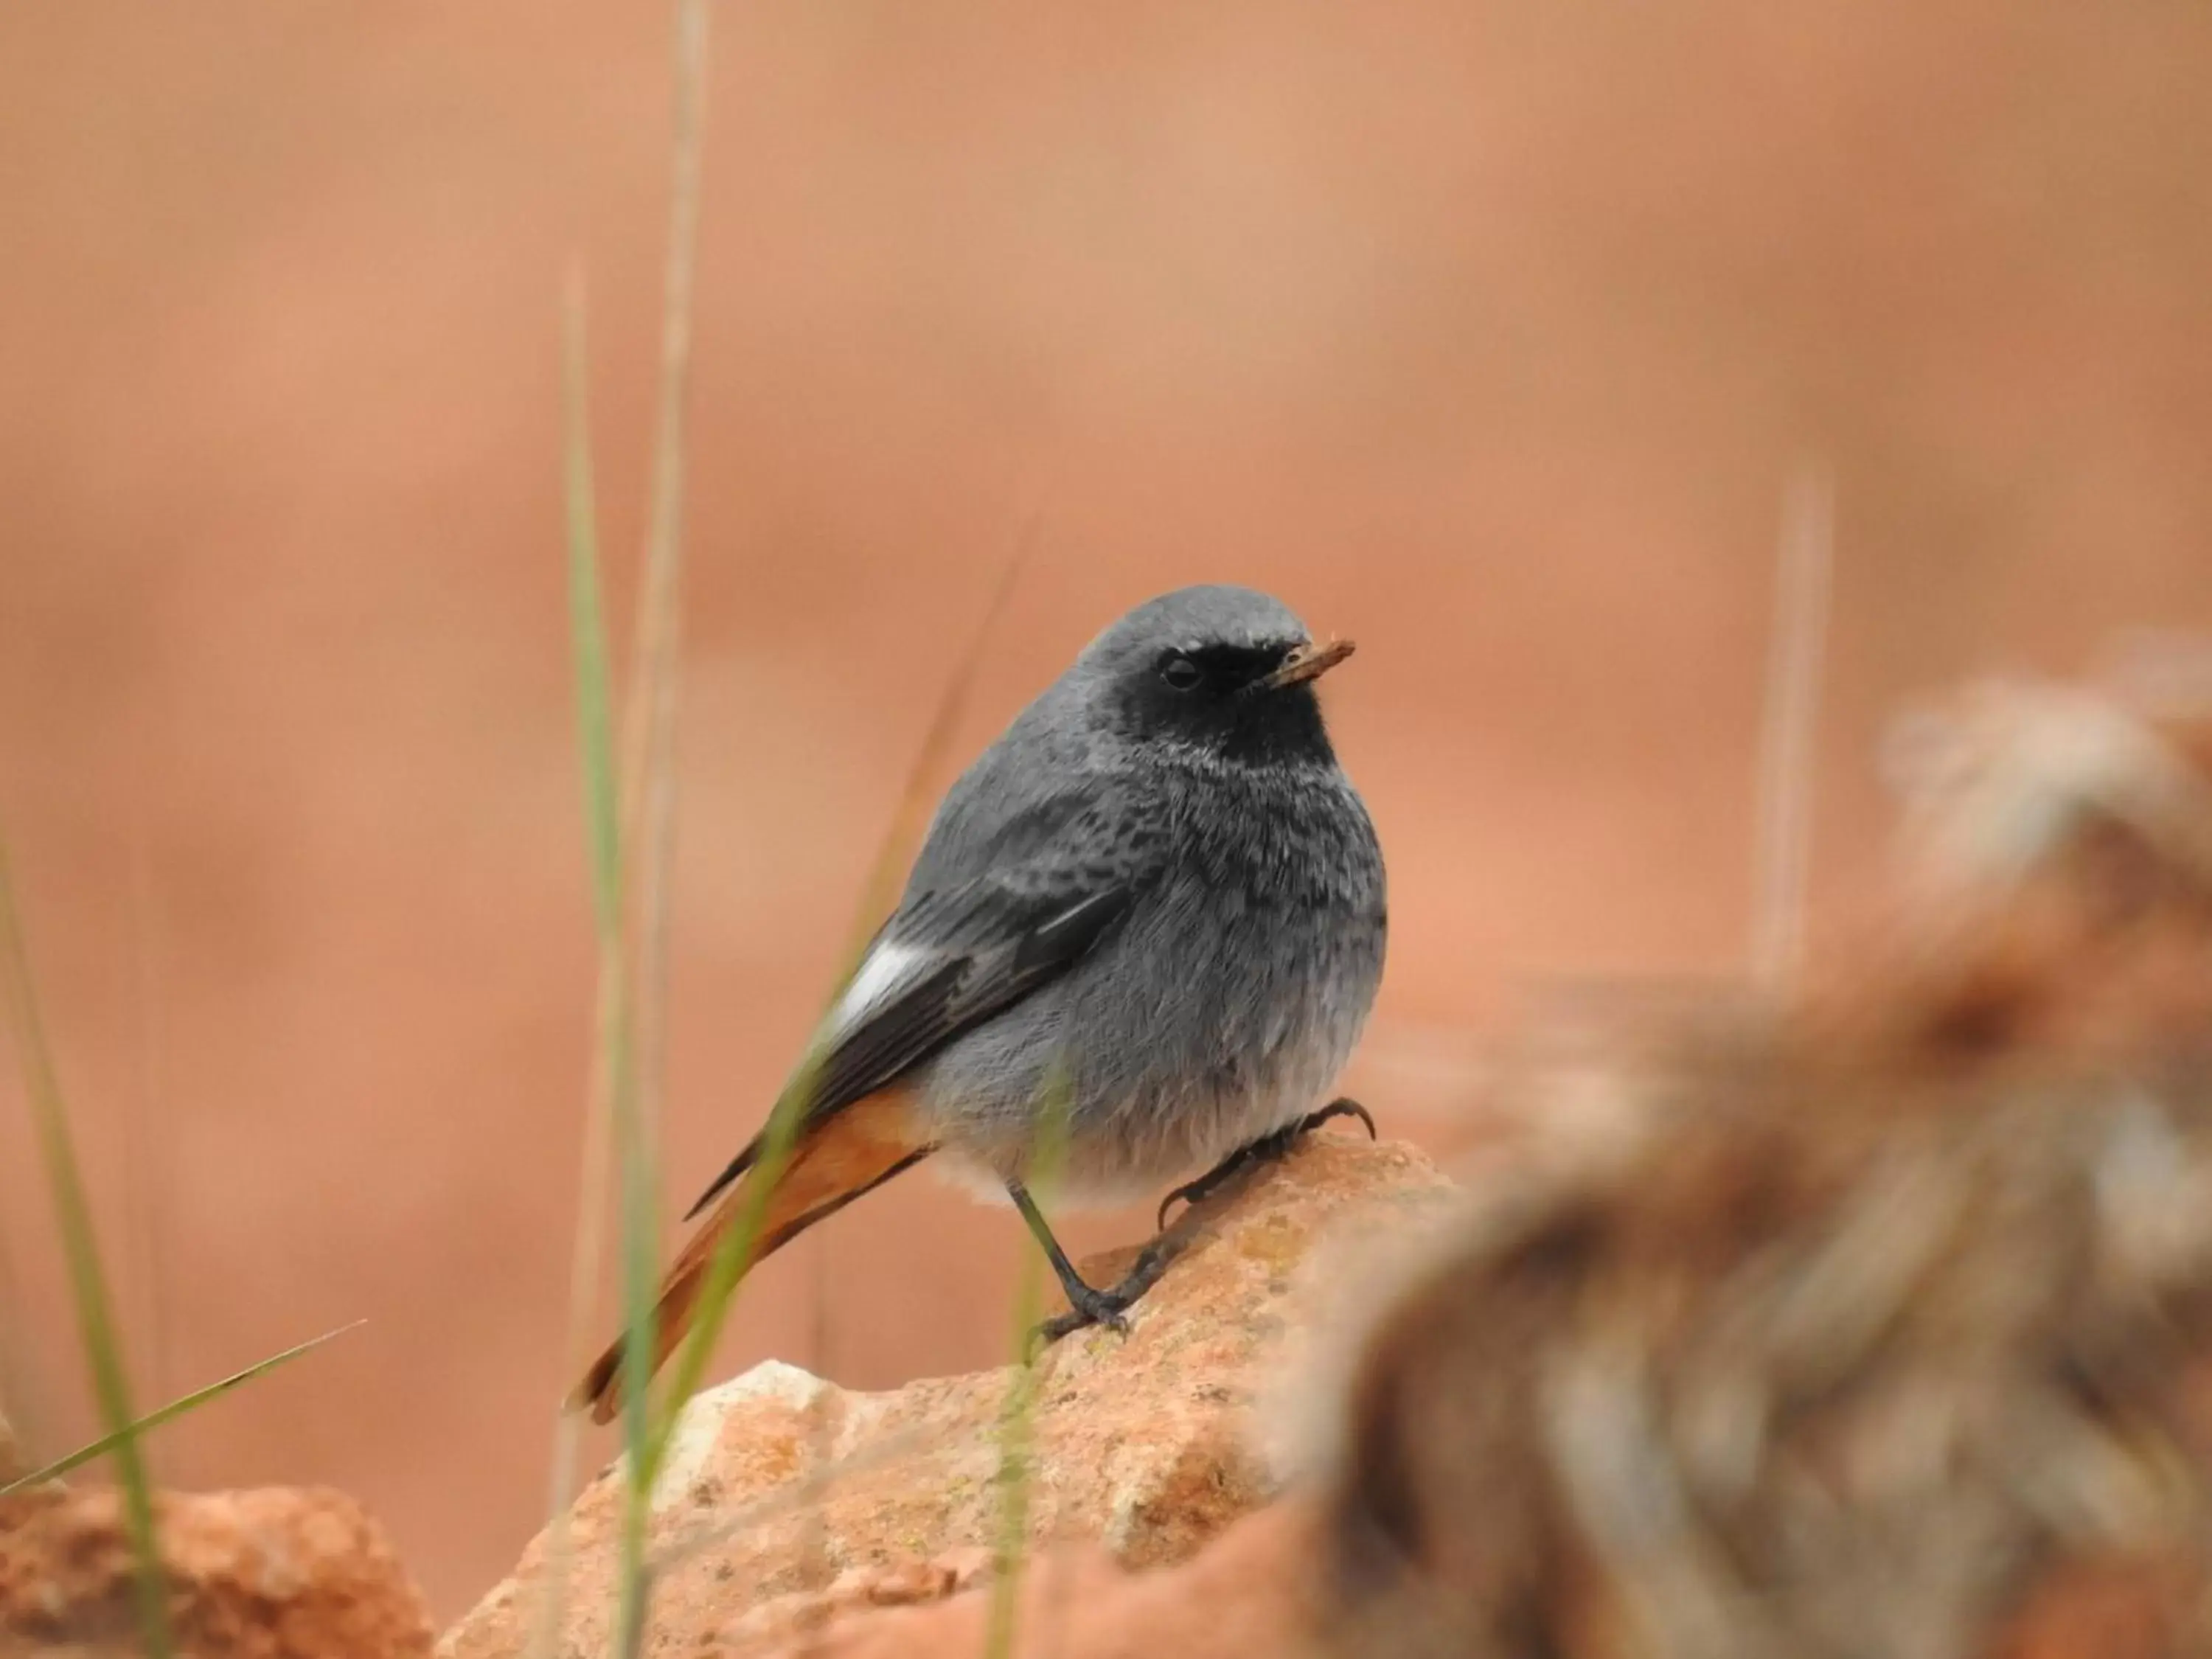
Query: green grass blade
{"type": "Point", "coordinates": [175, 1409]}
{"type": "Point", "coordinates": [602, 798]}
{"type": "Point", "coordinates": [649, 751]}
{"type": "Point", "coordinates": [613, 1117]}
{"type": "Point", "coordinates": [87, 1284]}
{"type": "Point", "coordinates": [910, 815]}
{"type": "Point", "coordinates": [901, 837]}
{"type": "Point", "coordinates": [595, 734]}
{"type": "Point", "coordinates": [733, 1254]}
{"type": "Point", "coordinates": [1016, 1422]}
{"type": "Point", "coordinates": [1017, 1464]}
{"type": "Point", "coordinates": [631, 1020]}
{"type": "Point", "coordinates": [640, 1234]}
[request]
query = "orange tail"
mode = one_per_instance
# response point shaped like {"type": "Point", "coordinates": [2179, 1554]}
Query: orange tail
{"type": "Point", "coordinates": [834, 1163]}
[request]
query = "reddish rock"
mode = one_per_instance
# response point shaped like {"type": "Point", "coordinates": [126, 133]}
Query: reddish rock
{"type": "Point", "coordinates": [272, 1574]}
{"type": "Point", "coordinates": [1247, 1596]}
{"type": "Point", "coordinates": [788, 1499]}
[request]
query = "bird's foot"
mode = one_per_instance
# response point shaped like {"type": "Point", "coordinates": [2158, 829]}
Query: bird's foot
{"type": "Point", "coordinates": [1266, 1150]}
{"type": "Point", "coordinates": [1088, 1305]}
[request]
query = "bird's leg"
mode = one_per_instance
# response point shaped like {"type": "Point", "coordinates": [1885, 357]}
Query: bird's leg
{"type": "Point", "coordinates": [1268, 1147]}
{"type": "Point", "coordinates": [1087, 1305]}
{"type": "Point", "coordinates": [1151, 1261]}
{"type": "Point", "coordinates": [1097, 1307]}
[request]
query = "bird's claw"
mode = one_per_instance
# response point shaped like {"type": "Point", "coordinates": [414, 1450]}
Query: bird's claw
{"type": "Point", "coordinates": [1075, 1320]}
{"type": "Point", "coordinates": [1088, 1305]}
{"type": "Point", "coordinates": [1345, 1106]}
{"type": "Point", "coordinates": [1268, 1147]}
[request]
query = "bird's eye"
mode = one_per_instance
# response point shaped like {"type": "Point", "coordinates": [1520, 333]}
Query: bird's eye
{"type": "Point", "coordinates": [1180, 673]}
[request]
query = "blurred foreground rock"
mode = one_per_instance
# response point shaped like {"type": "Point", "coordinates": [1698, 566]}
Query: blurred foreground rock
{"type": "Point", "coordinates": [272, 1574]}
{"type": "Point", "coordinates": [788, 1499]}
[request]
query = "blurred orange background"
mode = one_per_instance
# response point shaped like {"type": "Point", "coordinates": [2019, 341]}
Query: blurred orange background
{"type": "Point", "coordinates": [1489, 334]}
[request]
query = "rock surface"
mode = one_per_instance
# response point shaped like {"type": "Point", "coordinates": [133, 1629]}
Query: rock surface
{"type": "Point", "coordinates": [788, 1498]}
{"type": "Point", "coordinates": [272, 1574]}
{"type": "Point", "coordinates": [1247, 1595]}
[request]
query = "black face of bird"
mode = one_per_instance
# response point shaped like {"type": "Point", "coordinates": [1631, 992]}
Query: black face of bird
{"type": "Point", "coordinates": [1235, 701]}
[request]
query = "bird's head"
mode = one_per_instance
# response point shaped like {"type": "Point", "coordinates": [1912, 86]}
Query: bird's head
{"type": "Point", "coordinates": [1225, 673]}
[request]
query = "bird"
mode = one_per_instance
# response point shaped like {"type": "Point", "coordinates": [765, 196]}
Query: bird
{"type": "Point", "coordinates": [1151, 914]}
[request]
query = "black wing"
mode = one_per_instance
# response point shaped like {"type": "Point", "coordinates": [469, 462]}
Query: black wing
{"type": "Point", "coordinates": [950, 959]}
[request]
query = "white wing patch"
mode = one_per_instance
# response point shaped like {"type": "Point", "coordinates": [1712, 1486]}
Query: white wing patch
{"type": "Point", "coordinates": [878, 974]}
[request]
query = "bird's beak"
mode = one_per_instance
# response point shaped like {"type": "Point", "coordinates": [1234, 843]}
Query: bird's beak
{"type": "Point", "coordinates": [1308, 661]}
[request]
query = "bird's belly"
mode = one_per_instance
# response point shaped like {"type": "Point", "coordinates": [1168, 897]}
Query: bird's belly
{"type": "Point", "coordinates": [1118, 1164]}
{"type": "Point", "coordinates": [1144, 1096]}
{"type": "Point", "coordinates": [1136, 1165]}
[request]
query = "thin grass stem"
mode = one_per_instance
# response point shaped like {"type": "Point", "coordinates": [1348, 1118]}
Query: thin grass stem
{"type": "Point", "coordinates": [649, 750]}
{"type": "Point", "coordinates": [1017, 1418]}
{"type": "Point", "coordinates": [87, 1283]}
{"type": "Point", "coordinates": [169, 1413]}
{"type": "Point", "coordinates": [734, 1251]}
{"type": "Point", "coordinates": [602, 818]}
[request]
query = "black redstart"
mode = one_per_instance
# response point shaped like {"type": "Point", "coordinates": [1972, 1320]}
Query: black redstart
{"type": "Point", "coordinates": [1156, 900]}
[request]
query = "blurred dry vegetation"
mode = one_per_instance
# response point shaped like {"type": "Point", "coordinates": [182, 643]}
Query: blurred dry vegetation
{"type": "Point", "coordinates": [1877, 1321]}
{"type": "Point", "coordinates": [1489, 335]}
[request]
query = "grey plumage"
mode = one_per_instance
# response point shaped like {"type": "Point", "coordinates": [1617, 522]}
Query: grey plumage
{"type": "Point", "coordinates": [1170, 901]}
{"type": "Point", "coordinates": [1226, 999]}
